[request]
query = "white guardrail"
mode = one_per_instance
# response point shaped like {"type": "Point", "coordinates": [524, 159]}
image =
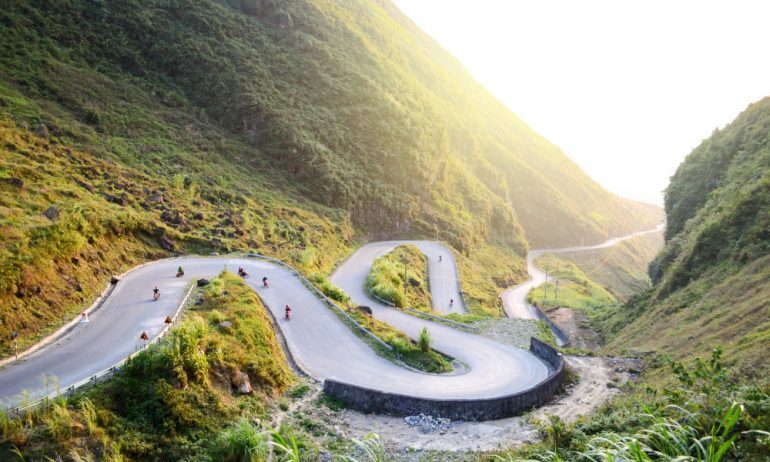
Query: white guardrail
{"type": "Point", "coordinates": [110, 371]}
{"type": "Point", "coordinates": [322, 296]}
{"type": "Point", "coordinates": [422, 313]}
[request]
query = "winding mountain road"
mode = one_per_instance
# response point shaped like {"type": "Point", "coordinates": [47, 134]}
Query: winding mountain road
{"type": "Point", "coordinates": [515, 299]}
{"type": "Point", "coordinates": [321, 345]}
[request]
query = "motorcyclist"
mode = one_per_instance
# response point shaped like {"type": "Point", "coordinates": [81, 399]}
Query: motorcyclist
{"type": "Point", "coordinates": [179, 272]}
{"type": "Point", "coordinates": [439, 257]}
{"type": "Point", "coordinates": [156, 293]}
{"type": "Point", "coordinates": [264, 282]}
{"type": "Point", "coordinates": [242, 272]}
{"type": "Point", "coordinates": [288, 312]}
{"type": "Point", "coordinates": [451, 302]}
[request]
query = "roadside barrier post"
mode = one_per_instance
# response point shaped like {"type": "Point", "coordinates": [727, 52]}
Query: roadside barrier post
{"type": "Point", "coordinates": [15, 337]}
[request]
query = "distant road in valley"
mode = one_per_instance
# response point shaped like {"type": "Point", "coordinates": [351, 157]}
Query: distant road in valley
{"type": "Point", "coordinates": [515, 299]}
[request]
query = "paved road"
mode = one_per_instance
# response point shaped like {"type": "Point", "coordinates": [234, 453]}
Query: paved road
{"type": "Point", "coordinates": [515, 299]}
{"type": "Point", "coordinates": [442, 274]}
{"type": "Point", "coordinates": [321, 345]}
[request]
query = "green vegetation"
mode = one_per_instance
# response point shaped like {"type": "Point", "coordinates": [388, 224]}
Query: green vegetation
{"type": "Point", "coordinates": [109, 218]}
{"type": "Point", "coordinates": [597, 282]}
{"type": "Point", "coordinates": [712, 278]}
{"type": "Point", "coordinates": [329, 289]}
{"type": "Point", "coordinates": [620, 269]}
{"type": "Point", "coordinates": [401, 278]}
{"type": "Point", "coordinates": [406, 350]}
{"type": "Point", "coordinates": [179, 398]}
{"type": "Point", "coordinates": [485, 274]}
{"type": "Point", "coordinates": [575, 289]}
{"type": "Point", "coordinates": [225, 125]}
{"type": "Point", "coordinates": [423, 342]}
{"type": "Point", "coordinates": [706, 416]}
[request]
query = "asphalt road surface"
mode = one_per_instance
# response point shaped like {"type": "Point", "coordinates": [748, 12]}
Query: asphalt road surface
{"type": "Point", "coordinates": [321, 345]}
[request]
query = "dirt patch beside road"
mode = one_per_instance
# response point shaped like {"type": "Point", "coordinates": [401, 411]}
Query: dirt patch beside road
{"type": "Point", "coordinates": [599, 378]}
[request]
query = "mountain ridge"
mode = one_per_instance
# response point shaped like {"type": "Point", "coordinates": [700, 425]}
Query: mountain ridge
{"type": "Point", "coordinates": [236, 125]}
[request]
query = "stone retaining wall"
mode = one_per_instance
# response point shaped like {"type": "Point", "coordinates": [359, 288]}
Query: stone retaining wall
{"type": "Point", "coordinates": [376, 401]}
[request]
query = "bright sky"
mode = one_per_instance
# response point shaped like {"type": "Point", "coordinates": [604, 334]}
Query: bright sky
{"type": "Point", "coordinates": [626, 89]}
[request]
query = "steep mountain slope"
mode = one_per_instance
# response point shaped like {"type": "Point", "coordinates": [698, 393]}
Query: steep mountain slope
{"type": "Point", "coordinates": [713, 274]}
{"type": "Point", "coordinates": [350, 99]}
{"type": "Point", "coordinates": [290, 127]}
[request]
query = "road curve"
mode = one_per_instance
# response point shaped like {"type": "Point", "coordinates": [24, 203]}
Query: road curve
{"type": "Point", "coordinates": [515, 299]}
{"type": "Point", "coordinates": [320, 344]}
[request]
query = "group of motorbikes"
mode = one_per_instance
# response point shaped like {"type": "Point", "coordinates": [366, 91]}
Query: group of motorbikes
{"type": "Point", "coordinates": [241, 272]}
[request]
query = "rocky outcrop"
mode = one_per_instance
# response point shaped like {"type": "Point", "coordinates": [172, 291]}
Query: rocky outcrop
{"type": "Point", "coordinates": [166, 243]}
{"type": "Point", "coordinates": [241, 381]}
{"type": "Point", "coordinates": [52, 213]}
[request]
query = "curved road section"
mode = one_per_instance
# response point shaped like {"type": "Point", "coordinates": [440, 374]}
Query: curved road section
{"type": "Point", "coordinates": [515, 299]}
{"type": "Point", "coordinates": [321, 345]}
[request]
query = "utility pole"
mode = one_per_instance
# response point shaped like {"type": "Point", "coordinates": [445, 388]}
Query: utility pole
{"type": "Point", "coordinates": [556, 298]}
{"type": "Point", "coordinates": [405, 281]}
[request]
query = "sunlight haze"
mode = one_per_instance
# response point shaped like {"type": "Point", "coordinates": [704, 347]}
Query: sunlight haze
{"type": "Point", "coordinates": [626, 90]}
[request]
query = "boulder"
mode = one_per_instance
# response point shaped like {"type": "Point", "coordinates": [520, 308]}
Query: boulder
{"type": "Point", "coordinates": [225, 324]}
{"type": "Point", "coordinates": [14, 182]}
{"type": "Point", "coordinates": [202, 282]}
{"type": "Point", "coordinates": [52, 213]}
{"type": "Point", "coordinates": [241, 381]}
{"type": "Point", "coordinates": [85, 185]}
{"type": "Point", "coordinates": [173, 217]}
{"type": "Point", "coordinates": [41, 130]}
{"type": "Point", "coordinates": [157, 197]}
{"type": "Point", "coordinates": [414, 282]}
{"type": "Point", "coordinates": [364, 309]}
{"type": "Point", "coordinates": [114, 199]}
{"type": "Point", "coordinates": [166, 243]}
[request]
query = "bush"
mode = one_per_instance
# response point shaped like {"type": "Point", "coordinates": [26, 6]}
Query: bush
{"type": "Point", "coordinates": [424, 340]}
{"type": "Point", "coordinates": [242, 441]}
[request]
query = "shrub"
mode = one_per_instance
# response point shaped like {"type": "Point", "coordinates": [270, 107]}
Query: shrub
{"type": "Point", "coordinates": [242, 441]}
{"type": "Point", "coordinates": [423, 342]}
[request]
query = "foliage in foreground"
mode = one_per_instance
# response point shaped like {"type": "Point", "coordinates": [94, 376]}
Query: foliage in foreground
{"type": "Point", "coordinates": [708, 417]}
{"type": "Point", "coordinates": [176, 399]}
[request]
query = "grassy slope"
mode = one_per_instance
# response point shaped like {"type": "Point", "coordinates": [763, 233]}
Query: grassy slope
{"type": "Point", "coordinates": [176, 399]}
{"type": "Point", "coordinates": [350, 100]}
{"type": "Point", "coordinates": [598, 277]}
{"type": "Point", "coordinates": [46, 265]}
{"type": "Point", "coordinates": [286, 126]}
{"type": "Point", "coordinates": [386, 278]}
{"type": "Point", "coordinates": [713, 282]}
{"type": "Point", "coordinates": [598, 281]}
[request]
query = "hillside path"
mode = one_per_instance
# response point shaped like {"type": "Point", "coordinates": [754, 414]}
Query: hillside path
{"type": "Point", "coordinates": [515, 299]}
{"type": "Point", "coordinates": [321, 345]}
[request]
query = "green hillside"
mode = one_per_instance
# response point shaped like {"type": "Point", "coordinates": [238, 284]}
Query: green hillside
{"type": "Point", "coordinates": [713, 275]}
{"type": "Point", "coordinates": [295, 129]}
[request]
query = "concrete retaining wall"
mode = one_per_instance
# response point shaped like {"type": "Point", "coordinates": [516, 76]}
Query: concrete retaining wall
{"type": "Point", "coordinates": [377, 401]}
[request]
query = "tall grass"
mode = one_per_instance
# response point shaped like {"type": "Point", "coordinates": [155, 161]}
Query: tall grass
{"type": "Point", "coordinates": [242, 442]}
{"type": "Point", "coordinates": [423, 341]}
{"type": "Point", "coordinates": [372, 448]}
